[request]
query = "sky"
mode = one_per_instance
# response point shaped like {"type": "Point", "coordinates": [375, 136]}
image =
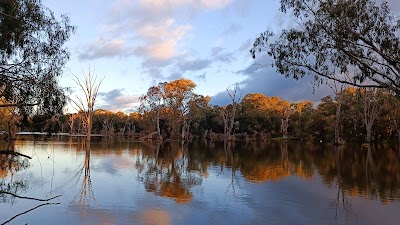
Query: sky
{"type": "Point", "coordinates": [135, 44]}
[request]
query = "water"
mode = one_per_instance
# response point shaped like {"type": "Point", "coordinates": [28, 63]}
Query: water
{"type": "Point", "coordinates": [201, 183]}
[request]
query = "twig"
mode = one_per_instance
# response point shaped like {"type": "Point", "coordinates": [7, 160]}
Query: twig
{"type": "Point", "coordinates": [29, 211]}
{"type": "Point", "coordinates": [9, 152]}
{"type": "Point", "coordinates": [24, 197]}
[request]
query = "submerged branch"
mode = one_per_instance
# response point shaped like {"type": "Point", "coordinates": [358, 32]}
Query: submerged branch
{"type": "Point", "coordinates": [24, 197]}
{"type": "Point", "coordinates": [20, 214]}
{"type": "Point", "coordinates": [9, 152]}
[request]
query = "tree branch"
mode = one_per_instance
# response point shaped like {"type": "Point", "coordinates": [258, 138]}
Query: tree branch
{"type": "Point", "coordinates": [9, 152]}
{"type": "Point", "coordinates": [20, 214]}
{"type": "Point", "coordinates": [24, 197]}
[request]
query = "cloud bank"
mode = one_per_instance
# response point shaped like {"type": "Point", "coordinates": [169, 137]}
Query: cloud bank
{"type": "Point", "coordinates": [115, 100]}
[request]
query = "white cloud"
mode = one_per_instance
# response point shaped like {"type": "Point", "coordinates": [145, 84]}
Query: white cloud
{"type": "Point", "coordinates": [160, 40]}
{"type": "Point", "coordinates": [156, 31]}
{"type": "Point", "coordinates": [105, 48]}
{"type": "Point", "coordinates": [115, 100]}
{"type": "Point", "coordinates": [173, 4]}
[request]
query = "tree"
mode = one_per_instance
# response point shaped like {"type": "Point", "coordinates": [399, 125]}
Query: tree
{"type": "Point", "coordinates": [154, 100]}
{"type": "Point", "coordinates": [324, 119]}
{"type": "Point", "coordinates": [254, 115]}
{"type": "Point", "coordinates": [339, 98]}
{"type": "Point", "coordinates": [228, 112]}
{"type": "Point", "coordinates": [335, 37]}
{"type": "Point", "coordinates": [371, 102]}
{"type": "Point", "coordinates": [178, 94]}
{"type": "Point", "coordinates": [392, 106]}
{"type": "Point", "coordinates": [32, 57]}
{"type": "Point", "coordinates": [301, 120]}
{"type": "Point", "coordinates": [197, 107]}
{"type": "Point", "coordinates": [90, 87]}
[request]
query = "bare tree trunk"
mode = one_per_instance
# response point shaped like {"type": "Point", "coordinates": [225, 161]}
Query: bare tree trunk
{"type": "Point", "coordinates": [159, 137]}
{"type": "Point", "coordinates": [285, 126]}
{"type": "Point", "coordinates": [229, 113]}
{"type": "Point", "coordinates": [368, 127]}
{"type": "Point", "coordinates": [12, 130]}
{"type": "Point", "coordinates": [225, 115]}
{"type": "Point", "coordinates": [71, 124]}
{"type": "Point", "coordinates": [337, 121]}
{"type": "Point", "coordinates": [89, 127]}
{"type": "Point", "coordinates": [338, 89]}
{"type": "Point", "coordinates": [371, 106]}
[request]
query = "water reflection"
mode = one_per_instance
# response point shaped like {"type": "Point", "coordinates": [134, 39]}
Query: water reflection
{"type": "Point", "coordinates": [167, 171]}
{"type": "Point", "coordinates": [221, 182]}
{"type": "Point", "coordinates": [86, 194]}
{"type": "Point", "coordinates": [370, 171]}
{"type": "Point", "coordinates": [172, 169]}
{"type": "Point", "coordinates": [10, 165]}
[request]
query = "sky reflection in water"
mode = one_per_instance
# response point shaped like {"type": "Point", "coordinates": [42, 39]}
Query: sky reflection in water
{"type": "Point", "coordinates": [202, 183]}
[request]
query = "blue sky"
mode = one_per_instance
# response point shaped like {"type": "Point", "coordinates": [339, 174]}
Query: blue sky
{"type": "Point", "coordinates": [135, 44]}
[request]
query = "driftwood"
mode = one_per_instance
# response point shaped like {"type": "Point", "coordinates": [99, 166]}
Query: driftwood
{"type": "Point", "coordinates": [9, 152]}
{"type": "Point", "coordinates": [20, 214]}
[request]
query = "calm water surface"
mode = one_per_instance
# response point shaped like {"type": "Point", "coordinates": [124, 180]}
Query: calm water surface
{"type": "Point", "coordinates": [201, 183]}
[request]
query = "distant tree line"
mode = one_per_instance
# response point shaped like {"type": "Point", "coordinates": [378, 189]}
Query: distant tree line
{"type": "Point", "coordinates": [172, 110]}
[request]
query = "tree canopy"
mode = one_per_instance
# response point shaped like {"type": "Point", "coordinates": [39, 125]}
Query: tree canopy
{"type": "Point", "coordinates": [335, 37]}
{"type": "Point", "coordinates": [32, 56]}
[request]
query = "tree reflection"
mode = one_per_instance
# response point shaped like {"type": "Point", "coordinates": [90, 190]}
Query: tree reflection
{"type": "Point", "coordinates": [273, 163]}
{"type": "Point", "coordinates": [11, 164]}
{"type": "Point", "coordinates": [172, 169]}
{"type": "Point", "coordinates": [86, 194]}
{"type": "Point", "coordinates": [372, 172]}
{"type": "Point", "coordinates": [231, 161]}
{"type": "Point", "coordinates": [341, 194]}
{"type": "Point", "coordinates": [165, 172]}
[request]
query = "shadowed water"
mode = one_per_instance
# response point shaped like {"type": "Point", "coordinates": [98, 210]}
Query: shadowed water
{"type": "Point", "coordinates": [200, 183]}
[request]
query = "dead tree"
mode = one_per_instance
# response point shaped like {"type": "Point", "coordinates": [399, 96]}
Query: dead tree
{"type": "Point", "coordinates": [90, 87]}
{"type": "Point", "coordinates": [108, 127]}
{"type": "Point", "coordinates": [228, 112]}
{"type": "Point", "coordinates": [287, 112]}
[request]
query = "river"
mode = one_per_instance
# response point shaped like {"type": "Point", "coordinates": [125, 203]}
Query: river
{"type": "Point", "coordinates": [199, 183]}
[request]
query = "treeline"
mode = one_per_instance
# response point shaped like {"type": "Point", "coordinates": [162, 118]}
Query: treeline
{"type": "Point", "coordinates": [172, 110]}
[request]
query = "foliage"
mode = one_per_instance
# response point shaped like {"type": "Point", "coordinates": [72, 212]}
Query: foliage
{"type": "Point", "coordinates": [337, 37]}
{"type": "Point", "coordinates": [32, 56]}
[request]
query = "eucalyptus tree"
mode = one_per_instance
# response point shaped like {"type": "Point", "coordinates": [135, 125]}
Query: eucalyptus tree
{"type": "Point", "coordinates": [334, 37]}
{"type": "Point", "coordinates": [32, 56]}
{"type": "Point", "coordinates": [338, 89]}
{"type": "Point", "coordinates": [178, 95]}
{"type": "Point", "coordinates": [371, 105]}
{"type": "Point", "coordinates": [393, 113]}
{"type": "Point", "coordinates": [154, 100]}
{"type": "Point", "coordinates": [196, 110]}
